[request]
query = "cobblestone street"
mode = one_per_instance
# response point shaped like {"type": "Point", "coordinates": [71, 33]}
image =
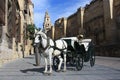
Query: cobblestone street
{"type": "Point", "coordinates": [24, 69]}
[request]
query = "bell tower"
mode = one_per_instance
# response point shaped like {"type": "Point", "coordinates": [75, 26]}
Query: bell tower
{"type": "Point", "coordinates": [47, 23]}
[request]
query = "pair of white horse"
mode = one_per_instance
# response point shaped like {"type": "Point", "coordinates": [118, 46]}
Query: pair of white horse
{"type": "Point", "coordinates": [51, 49]}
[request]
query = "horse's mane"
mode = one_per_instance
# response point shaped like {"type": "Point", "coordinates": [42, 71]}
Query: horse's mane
{"type": "Point", "coordinates": [42, 33]}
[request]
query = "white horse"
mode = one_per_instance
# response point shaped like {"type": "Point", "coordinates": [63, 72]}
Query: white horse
{"type": "Point", "coordinates": [50, 48]}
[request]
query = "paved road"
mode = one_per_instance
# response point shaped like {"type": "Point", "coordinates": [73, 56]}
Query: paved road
{"type": "Point", "coordinates": [23, 69]}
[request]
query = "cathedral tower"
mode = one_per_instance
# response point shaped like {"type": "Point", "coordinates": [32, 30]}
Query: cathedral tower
{"type": "Point", "coordinates": [47, 23]}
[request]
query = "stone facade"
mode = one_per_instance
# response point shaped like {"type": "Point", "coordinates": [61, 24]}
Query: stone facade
{"type": "Point", "coordinates": [50, 33]}
{"type": "Point", "coordinates": [18, 14]}
{"type": "Point", "coordinates": [101, 26]}
{"type": "Point", "coordinates": [2, 12]}
{"type": "Point", "coordinates": [116, 15]}
{"type": "Point", "coordinates": [75, 23]}
{"type": "Point", "coordinates": [98, 20]}
{"type": "Point", "coordinates": [60, 28]}
{"type": "Point", "coordinates": [94, 25]}
{"type": "Point", "coordinates": [2, 17]}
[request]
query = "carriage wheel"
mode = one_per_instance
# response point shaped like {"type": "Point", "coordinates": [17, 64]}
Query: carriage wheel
{"type": "Point", "coordinates": [79, 62]}
{"type": "Point", "coordinates": [92, 58]}
{"type": "Point", "coordinates": [55, 63]}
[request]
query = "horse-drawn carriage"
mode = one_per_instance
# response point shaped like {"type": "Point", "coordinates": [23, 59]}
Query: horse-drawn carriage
{"type": "Point", "coordinates": [78, 52]}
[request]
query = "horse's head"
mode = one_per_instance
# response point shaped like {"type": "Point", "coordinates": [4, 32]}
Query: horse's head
{"type": "Point", "coordinates": [38, 36]}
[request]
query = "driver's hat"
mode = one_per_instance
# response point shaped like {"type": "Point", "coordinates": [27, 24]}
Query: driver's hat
{"type": "Point", "coordinates": [80, 36]}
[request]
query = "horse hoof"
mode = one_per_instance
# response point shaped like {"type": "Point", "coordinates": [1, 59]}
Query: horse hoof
{"type": "Point", "coordinates": [63, 70]}
{"type": "Point", "coordinates": [47, 73]}
{"type": "Point", "coordinates": [57, 70]}
{"type": "Point", "coordinates": [44, 72]}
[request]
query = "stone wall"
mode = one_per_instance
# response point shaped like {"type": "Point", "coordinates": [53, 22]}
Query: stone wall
{"type": "Point", "coordinates": [75, 23]}
{"type": "Point", "coordinates": [2, 17]}
{"type": "Point", "coordinates": [60, 28]}
{"type": "Point", "coordinates": [14, 43]}
{"type": "Point", "coordinates": [100, 21]}
{"type": "Point", "coordinates": [94, 24]}
{"type": "Point", "coordinates": [117, 17]}
{"type": "Point", "coordinates": [2, 12]}
{"type": "Point", "coordinates": [72, 25]}
{"type": "Point", "coordinates": [49, 33]}
{"type": "Point", "coordinates": [102, 26]}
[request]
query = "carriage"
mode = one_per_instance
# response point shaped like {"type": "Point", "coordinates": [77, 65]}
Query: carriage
{"type": "Point", "coordinates": [78, 52]}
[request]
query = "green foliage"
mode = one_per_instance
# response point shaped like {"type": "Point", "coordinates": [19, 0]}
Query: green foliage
{"type": "Point", "coordinates": [31, 31]}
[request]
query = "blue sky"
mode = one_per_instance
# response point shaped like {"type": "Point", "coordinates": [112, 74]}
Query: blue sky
{"type": "Point", "coordinates": [56, 9]}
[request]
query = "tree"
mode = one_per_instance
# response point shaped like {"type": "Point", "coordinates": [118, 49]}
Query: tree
{"type": "Point", "coordinates": [31, 31]}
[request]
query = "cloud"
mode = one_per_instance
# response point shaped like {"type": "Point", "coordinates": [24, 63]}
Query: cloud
{"type": "Point", "coordinates": [72, 9]}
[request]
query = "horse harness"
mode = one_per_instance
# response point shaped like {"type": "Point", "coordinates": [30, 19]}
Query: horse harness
{"type": "Point", "coordinates": [54, 47]}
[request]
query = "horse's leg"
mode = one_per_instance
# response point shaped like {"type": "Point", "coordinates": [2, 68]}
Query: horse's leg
{"type": "Point", "coordinates": [45, 65]}
{"type": "Point", "coordinates": [61, 60]}
{"type": "Point", "coordinates": [64, 62]}
{"type": "Point", "coordinates": [50, 60]}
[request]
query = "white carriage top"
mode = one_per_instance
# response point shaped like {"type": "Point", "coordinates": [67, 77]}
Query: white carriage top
{"type": "Point", "coordinates": [71, 38]}
{"type": "Point", "coordinates": [75, 39]}
{"type": "Point", "coordinates": [85, 42]}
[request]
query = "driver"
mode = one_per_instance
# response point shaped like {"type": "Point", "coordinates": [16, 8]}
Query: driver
{"type": "Point", "coordinates": [80, 38]}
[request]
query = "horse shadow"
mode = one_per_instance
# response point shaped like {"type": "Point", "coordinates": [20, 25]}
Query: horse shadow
{"type": "Point", "coordinates": [39, 70]}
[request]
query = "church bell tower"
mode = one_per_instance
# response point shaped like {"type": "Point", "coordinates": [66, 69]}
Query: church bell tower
{"type": "Point", "coordinates": [47, 23]}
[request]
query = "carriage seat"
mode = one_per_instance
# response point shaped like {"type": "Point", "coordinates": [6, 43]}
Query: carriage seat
{"type": "Point", "coordinates": [86, 43]}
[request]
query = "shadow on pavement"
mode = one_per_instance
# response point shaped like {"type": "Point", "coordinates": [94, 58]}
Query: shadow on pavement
{"type": "Point", "coordinates": [29, 57]}
{"type": "Point", "coordinates": [33, 70]}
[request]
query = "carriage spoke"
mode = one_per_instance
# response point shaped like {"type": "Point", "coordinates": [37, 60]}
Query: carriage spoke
{"type": "Point", "coordinates": [79, 62]}
{"type": "Point", "coordinates": [92, 59]}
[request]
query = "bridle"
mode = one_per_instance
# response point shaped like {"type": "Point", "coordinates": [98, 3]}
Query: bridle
{"type": "Point", "coordinates": [40, 43]}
